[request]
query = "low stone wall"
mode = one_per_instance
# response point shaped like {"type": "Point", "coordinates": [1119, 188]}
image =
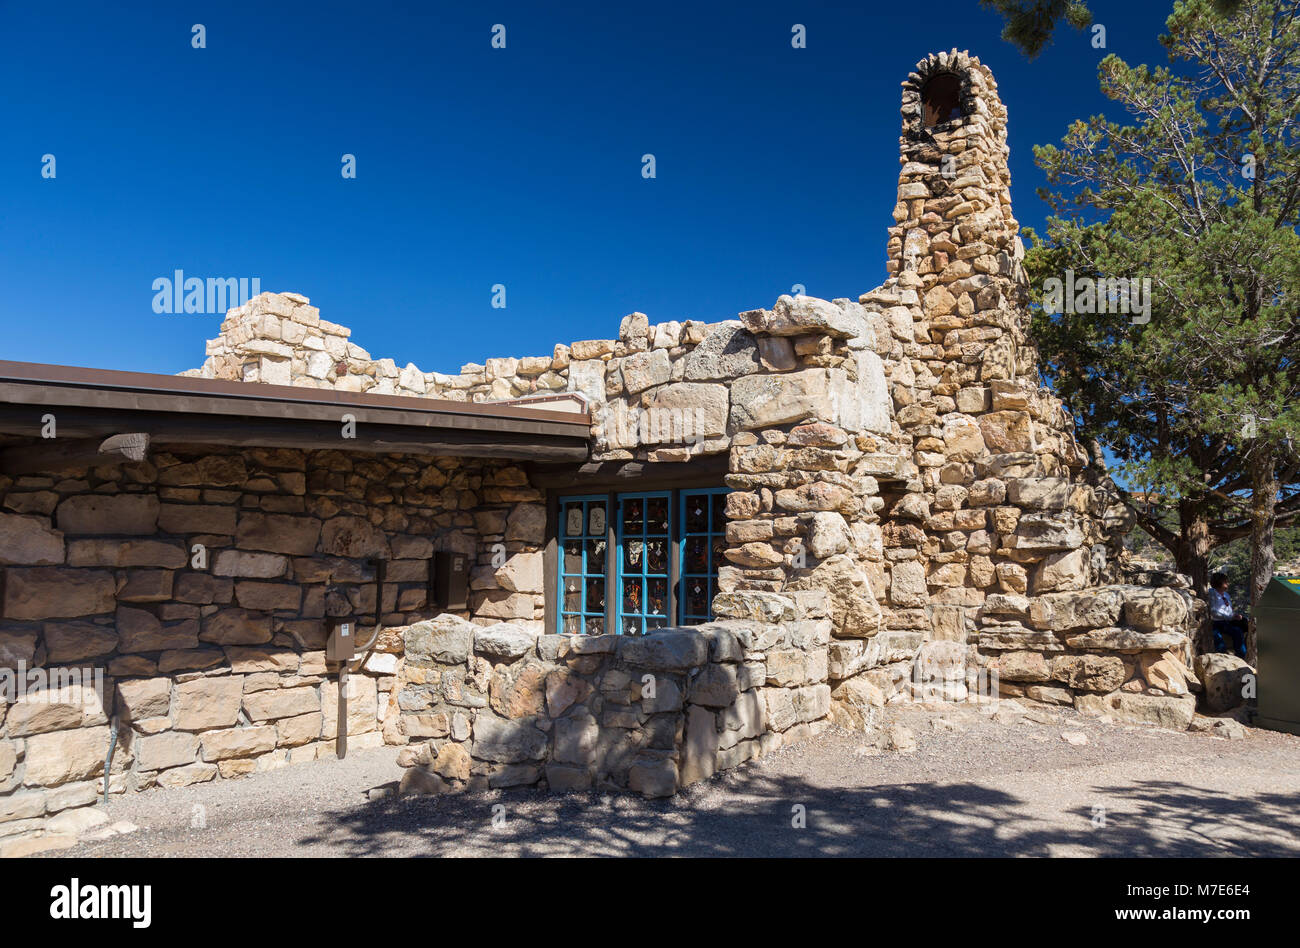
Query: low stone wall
{"type": "Point", "coordinates": [499, 706]}
{"type": "Point", "coordinates": [1118, 650]}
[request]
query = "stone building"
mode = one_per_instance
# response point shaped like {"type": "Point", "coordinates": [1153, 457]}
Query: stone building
{"type": "Point", "coordinates": [689, 545]}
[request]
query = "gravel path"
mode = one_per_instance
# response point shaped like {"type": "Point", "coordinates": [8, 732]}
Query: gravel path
{"type": "Point", "coordinates": [975, 787]}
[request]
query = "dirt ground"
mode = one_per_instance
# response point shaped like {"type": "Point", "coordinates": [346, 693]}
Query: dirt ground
{"type": "Point", "coordinates": [975, 786]}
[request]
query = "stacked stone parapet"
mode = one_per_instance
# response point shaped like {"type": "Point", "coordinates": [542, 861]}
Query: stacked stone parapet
{"type": "Point", "coordinates": [497, 706]}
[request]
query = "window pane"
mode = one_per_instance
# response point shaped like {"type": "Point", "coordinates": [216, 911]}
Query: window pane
{"type": "Point", "coordinates": [632, 597]}
{"type": "Point", "coordinates": [695, 554]}
{"type": "Point", "coordinates": [657, 592]}
{"type": "Point", "coordinates": [703, 544]}
{"type": "Point", "coordinates": [633, 553]}
{"type": "Point", "coordinates": [582, 562]}
{"type": "Point", "coordinates": [656, 556]}
{"type": "Point", "coordinates": [657, 516]}
{"type": "Point", "coordinates": [595, 626]}
{"type": "Point", "coordinates": [596, 595]}
{"type": "Point", "coordinates": [633, 521]}
{"type": "Point", "coordinates": [697, 512]}
{"type": "Point", "coordinates": [697, 597]}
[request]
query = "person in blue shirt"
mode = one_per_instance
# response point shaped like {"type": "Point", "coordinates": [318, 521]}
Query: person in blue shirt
{"type": "Point", "coordinates": [1225, 619]}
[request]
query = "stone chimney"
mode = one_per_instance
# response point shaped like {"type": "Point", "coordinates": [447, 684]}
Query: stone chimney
{"type": "Point", "coordinates": [988, 443]}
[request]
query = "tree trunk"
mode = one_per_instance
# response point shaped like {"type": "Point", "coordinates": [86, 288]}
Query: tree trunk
{"type": "Point", "coordinates": [1263, 517]}
{"type": "Point", "coordinates": [1193, 557]}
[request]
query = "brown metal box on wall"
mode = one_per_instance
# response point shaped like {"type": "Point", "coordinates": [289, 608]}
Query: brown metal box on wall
{"type": "Point", "coordinates": [449, 581]}
{"type": "Point", "coordinates": [340, 640]}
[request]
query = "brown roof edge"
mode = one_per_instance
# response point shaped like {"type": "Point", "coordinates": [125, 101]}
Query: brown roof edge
{"type": "Point", "coordinates": [75, 376]}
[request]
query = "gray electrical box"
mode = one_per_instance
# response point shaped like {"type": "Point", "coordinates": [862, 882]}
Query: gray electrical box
{"type": "Point", "coordinates": [1277, 640]}
{"type": "Point", "coordinates": [449, 581]}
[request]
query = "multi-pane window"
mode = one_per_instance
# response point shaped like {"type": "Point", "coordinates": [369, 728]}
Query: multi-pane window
{"type": "Point", "coordinates": [644, 547]}
{"type": "Point", "coordinates": [703, 540]}
{"type": "Point", "coordinates": [634, 562]}
{"type": "Point", "coordinates": [583, 538]}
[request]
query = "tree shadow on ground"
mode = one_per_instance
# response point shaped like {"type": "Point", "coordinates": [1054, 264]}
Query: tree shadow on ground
{"type": "Point", "coordinates": [752, 813]}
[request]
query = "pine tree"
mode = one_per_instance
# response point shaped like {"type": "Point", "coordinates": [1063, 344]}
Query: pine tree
{"type": "Point", "coordinates": [1200, 194]}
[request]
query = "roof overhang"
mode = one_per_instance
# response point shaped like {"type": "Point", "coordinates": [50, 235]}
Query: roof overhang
{"type": "Point", "coordinates": [95, 403]}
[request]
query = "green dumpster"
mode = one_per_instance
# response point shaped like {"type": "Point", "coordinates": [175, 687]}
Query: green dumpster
{"type": "Point", "coordinates": [1277, 630]}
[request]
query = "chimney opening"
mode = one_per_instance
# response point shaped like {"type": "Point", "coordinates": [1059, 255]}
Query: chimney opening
{"type": "Point", "coordinates": [941, 99]}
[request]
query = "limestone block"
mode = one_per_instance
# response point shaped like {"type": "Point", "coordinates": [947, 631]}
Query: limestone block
{"type": "Point", "coordinates": [363, 707]}
{"type": "Point", "coordinates": [63, 756]}
{"type": "Point", "coordinates": [504, 641]}
{"type": "Point", "coordinates": [1149, 610]}
{"type": "Point", "coordinates": [142, 698]}
{"type": "Point", "coordinates": [687, 410]}
{"type": "Point", "coordinates": [204, 704]}
{"type": "Point", "coordinates": [29, 541]}
{"type": "Point", "coordinates": [108, 514]}
{"type": "Point", "coordinates": [527, 522]}
{"type": "Point", "coordinates": [251, 565]}
{"type": "Point", "coordinates": [1224, 678]}
{"type": "Point", "coordinates": [765, 401]}
{"type": "Point", "coordinates": [1089, 672]}
{"type": "Point", "coordinates": [699, 755]}
{"type": "Point", "coordinates": [1067, 611]}
{"type": "Point", "coordinates": [507, 742]}
{"type": "Point", "coordinates": [353, 537]}
{"type": "Point", "coordinates": [1063, 571]}
{"type": "Point", "coordinates": [665, 651]}
{"type": "Point", "coordinates": [238, 742]}
{"type": "Point", "coordinates": [236, 627]}
{"type": "Point", "coordinates": [49, 592]}
{"type": "Point", "coordinates": [645, 370]}
{"type": "Point", "coordinates": [653, 777]}
{"type": "Point", "coordinates": [168, 749]}
{"type": "Point", "coordinates": [1163, 670]}
{"type": "Point", "coordinates": [67, 642]}
{"type": "Point", "coordinates": [279, 533]}
{"type": "Point", "coordinates": [1021, 666]}
{"type": "Point", "coordinates": [522, 572]}
{"type": "Point", "coordinates": [1171, 711]}
{"type": "Point", "coordinates": [806, 315]}
{"type": "Point", "coordinates": [727, 351]}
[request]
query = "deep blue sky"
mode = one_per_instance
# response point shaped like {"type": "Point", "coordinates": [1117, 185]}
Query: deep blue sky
{"type": "Point", "coordinates": [475, 165]}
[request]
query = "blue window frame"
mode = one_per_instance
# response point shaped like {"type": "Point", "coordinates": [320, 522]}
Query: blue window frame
{"type": "Point", "coordinates": [634, 562]}
{"type": "Point", "coordinates": [702, 529]}
{"type": "Point", "coordinates": [584, 536]}
{"type": "Point", "coordinates": [644, 554]}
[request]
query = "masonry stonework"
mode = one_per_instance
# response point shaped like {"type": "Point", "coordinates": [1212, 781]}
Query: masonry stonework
{"type": "Point", "coordinates": [908, 520]}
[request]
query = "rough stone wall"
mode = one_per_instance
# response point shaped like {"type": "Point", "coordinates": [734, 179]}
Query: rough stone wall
{"type": "Point", "coordinates": [996, 550]}
{"type": "Point", "coordinates": [216, 669]}
{"type": "Point", "coordinates": [795, 397]}
{"type": "Point", "coordinates": [501, 706]}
